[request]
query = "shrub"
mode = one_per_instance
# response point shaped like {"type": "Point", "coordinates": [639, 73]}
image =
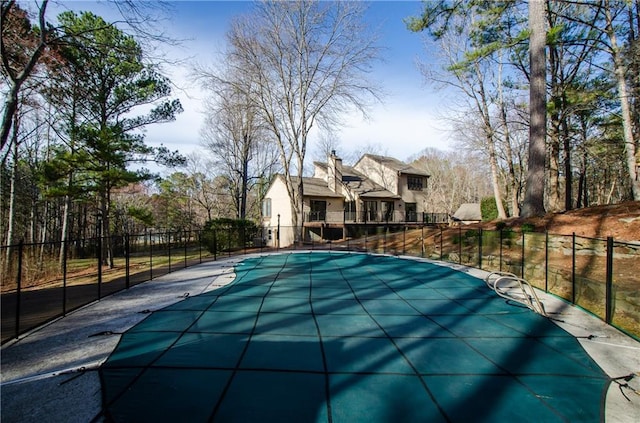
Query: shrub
{"type": "Point", "coordinates": [488, 208]}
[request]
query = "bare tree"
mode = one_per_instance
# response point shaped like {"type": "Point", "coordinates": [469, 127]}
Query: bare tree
{"type": "Point", "coordinates": [454, 179]}
{"type": "Point", "coordinates": [310, 62]}
{"type": "Point", "coordinates": [201, 170]}
{"type": "Point", "coordinates": [624, 95]}
{"type": "Point", "coordinates": [236, 136]}
{"type": "Point", "coordinates": [327, 142]}
{"type": "Point", "coordinates": [478, 78]}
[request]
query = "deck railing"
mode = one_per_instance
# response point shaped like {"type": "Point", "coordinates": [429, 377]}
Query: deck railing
{"type": "Point", "coordinates": [368, 217]}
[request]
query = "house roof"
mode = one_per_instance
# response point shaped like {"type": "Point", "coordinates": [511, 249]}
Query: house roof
{"type": "Point", "coordinates": [358, 183]}
{"type": "Point", "coordinates": [315, 187]}
{"type": "Point", "coordinates": [396, 165]}
{"type": "Point", "coordinates": [468, 212]}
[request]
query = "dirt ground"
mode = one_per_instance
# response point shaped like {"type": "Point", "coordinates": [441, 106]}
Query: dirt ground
{"type": "Point", "coordinates": [620, 221]}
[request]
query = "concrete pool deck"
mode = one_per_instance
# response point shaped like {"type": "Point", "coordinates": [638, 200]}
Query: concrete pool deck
{"type": "Point", "coordinates": [51, 373]}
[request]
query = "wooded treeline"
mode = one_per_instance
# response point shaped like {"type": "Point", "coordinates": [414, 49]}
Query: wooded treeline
{"type": "Point", "coordinates": [77, 91]}
{"type": "Point", "coordinates": [77, 95]}
{"type": "Point", "coordinates": [591, 59]}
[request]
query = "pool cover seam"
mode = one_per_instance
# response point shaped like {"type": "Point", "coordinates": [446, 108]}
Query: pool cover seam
{"type": "Point", "coordinates": [246, 345]}
{"type": "Point", "coordinates": [327, 386]}
{"type": "Point", "coordinates": [357, 372]}
{"type": "Point", "coordinates": [507, 372]}
{"type": "Point", "coordinates": [420, 379]}
{"type": "Point", "coordinates": [145, 368]}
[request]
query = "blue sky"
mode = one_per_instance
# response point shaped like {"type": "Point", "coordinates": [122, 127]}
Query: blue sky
{"type": "Point", "coordinates": [403, 125]}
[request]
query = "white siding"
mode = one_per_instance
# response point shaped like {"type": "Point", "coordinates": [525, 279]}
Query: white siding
{"type": "Point", "coordinates": [378, 173]}
{"type": "Point", "coordinates": [280, 205]}
{"type": "Point", "coordinates": [413, 196]}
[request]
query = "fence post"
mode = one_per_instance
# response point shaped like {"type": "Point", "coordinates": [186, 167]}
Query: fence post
{"type": "Point", "coordinates": [384, 240]}
{"type": "Point", "coordinates": [501, 241]}
{"type": "Point", "coordinates": [200, 244]}
{"type": "Point", "coordinates": [480, 249]}
{"type": "Point", "coordinates": [522, 258]}
{"type": "Point", "coordinates": [366, 234]}
{"type": "Point", "coordinates": [215, 244]}
{"type": "Point", "coordinates": [459, 244]}
{"type": "Point", "coordinates": [19, 286]}
{"type": "Point", "coordinates": [150, 256]}
{"type": "Point", "coordinates": [573, 268]}
{"type": "Point", "coordinates": [187, 237]}
{"type": "Point", "coordinates": [127, 255]}
{"type": "Point", "coordinates": [99, 265]}
{"type": "Point", "coordinates": [169, 248]}
{"type": "Point", "coordinates": [441, 253]}
{"type": "Point", "coordinates": [64, 277]}
{"type": "Point", "coordinates": [404, 241]}
{"type": "Point", "coordinates": [546, 261]}
{"type": "Point", "coordinates": [244, 238]}
{"type": "Point", "coordinates": [609, 289]}
{"type": "Point", "coordinates": [422, 241]}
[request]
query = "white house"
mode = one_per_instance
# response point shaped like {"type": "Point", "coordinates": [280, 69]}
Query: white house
{"type": "Point", "coordinates": [375, 190]}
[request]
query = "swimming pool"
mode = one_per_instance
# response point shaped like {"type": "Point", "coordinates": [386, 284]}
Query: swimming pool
{"type": "Point", "coordinates": [347, 337]}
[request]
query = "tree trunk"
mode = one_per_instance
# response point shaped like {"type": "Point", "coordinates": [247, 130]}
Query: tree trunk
{"type": "Point", "coordinates": [582, 200]}
{"type": "Point", "coordinates": [10, 109]}
{"type": "Point", "coordinates": [483, 109]}
{"type": "Point", "coordinates": [300, 204]}
{"type": "Point", "coordinates": [12, 198]}
{"type": "Point", "coordinates": [245, 177]}
{"type": "Point", "coordinates": [553, 137]}
{"type": "Point", "coordinates": [568, 171]}
{"type": "Point", "coordinates": [534, 195]}
{"type": "Point", "coordinates": [553, 146]}
{"type": "Point", "coordinates": [65, 228]}
{"type": "Point", "coordinates": [16, 81]}
{"type": "Point", "coordinates": [493, 163]}
{"type": "Point", "coordinates": [512, 182]}
{"type": "Point", "coordinates": [623, 95]}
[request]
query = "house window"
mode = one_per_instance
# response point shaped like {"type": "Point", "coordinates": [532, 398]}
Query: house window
{"type": "Point", "coordinates": [350, 210]}
{"type": "Point", "coordinates": [318, 210]}
{"type": "Point", "coordinates": [415, 183]}
{"type": "Point", "coordinates": [266, 207]}
{"type": "Point", "coordinates": [411, 210]}
{"type": "Point", "coordinates": [387, 210]}
{"type": "Point", "coordinates": [370, 211]}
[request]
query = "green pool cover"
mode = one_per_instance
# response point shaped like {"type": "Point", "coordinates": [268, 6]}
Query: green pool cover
{"type": "Point", "coordinates": [337, 337]}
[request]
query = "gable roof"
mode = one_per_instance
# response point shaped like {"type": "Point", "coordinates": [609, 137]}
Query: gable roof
{"type": "Point", "coordinates": [314, 187]}
{"type": "Point", "coordinates": [468, 212]}
{"type": "Point", "coordinates": [395, 164]}
{"type": "Point", "coordinates": [358, 183]}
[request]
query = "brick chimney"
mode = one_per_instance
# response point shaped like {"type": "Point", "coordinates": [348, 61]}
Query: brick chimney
{"type": "Point", "coordinates": [334, 171]}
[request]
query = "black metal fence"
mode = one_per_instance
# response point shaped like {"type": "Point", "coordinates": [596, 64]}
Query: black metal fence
{"type": "Point", "coordinates": [40, 282]}
{"type": "Point", "coordinates": [602, 276]}
{"type": "Point", "coordinates": [43, 281]}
